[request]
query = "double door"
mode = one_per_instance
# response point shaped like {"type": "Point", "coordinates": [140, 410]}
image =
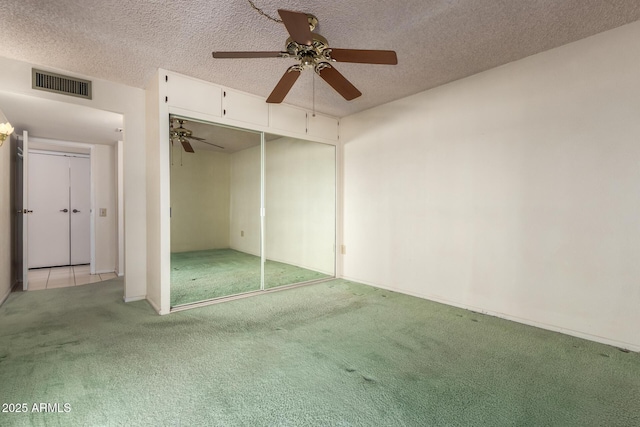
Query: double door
{"type": "Point", "coordinates": [59, 200]}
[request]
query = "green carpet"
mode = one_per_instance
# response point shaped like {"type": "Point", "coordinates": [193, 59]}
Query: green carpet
{"type": "Point", "coordinates": [332, 354]}
{"type": "Point", "coordinates": [201, 275]}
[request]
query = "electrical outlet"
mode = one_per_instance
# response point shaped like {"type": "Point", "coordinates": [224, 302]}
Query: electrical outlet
{"type": "Point", "coordinates": [343, 249]}
{"type": "Point", "coordinates": [103, 211]}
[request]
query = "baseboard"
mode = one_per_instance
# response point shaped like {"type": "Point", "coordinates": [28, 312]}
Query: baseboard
{"type": "Point", "coordinates": [528, 322]}
{"type": "Point", "coordinates": [156, 307]}
{"type": "Point", "coordinates": [132, 299]}
{"type": "Point", "coordinates": [105, 272]}
{"type": "Point", "coordinates": [4, 297]}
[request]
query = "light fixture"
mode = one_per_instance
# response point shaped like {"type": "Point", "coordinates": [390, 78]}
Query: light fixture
{"type": "Point", "coordinates": [5, 130]}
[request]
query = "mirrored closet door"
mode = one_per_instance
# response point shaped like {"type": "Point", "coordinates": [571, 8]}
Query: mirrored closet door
{"type": "Point", "coordinates": [300, 202]}
{"type": "Point", "coordinates": [215, 211]}
{"type": "Point", "coordinates": [249, 212]}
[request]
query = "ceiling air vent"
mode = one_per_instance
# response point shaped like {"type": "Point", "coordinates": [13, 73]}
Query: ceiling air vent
{"type": "Point", "coordinates": [51, 82]}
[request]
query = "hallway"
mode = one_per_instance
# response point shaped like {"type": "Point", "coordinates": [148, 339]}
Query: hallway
{"type": "Point", "coordinates": [62, 277]}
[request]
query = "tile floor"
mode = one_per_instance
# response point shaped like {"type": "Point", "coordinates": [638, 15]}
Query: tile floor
{"type": "Point", "coordinates": [62, 277]}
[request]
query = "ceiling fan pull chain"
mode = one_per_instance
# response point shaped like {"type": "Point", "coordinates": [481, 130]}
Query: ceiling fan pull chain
{"type": "Point", "coordinates": [261, 12]}
{"type": "Point", "coordinates": [313, 106]}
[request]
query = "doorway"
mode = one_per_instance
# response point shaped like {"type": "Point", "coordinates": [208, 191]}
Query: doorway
{"type": "Point", "coordinates": [49, 125]}
{"type": "Point", "coordinates": [60, 200]}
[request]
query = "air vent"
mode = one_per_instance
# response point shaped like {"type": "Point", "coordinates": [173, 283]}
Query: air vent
{"type": "Point", "coordinates": [51, 82]}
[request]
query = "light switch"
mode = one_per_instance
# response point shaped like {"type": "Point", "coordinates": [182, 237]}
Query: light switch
{"type": "Point", "coordinates": [103, 211]}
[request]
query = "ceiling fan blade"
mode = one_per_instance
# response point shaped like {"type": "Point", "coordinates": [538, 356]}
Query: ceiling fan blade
{"type": "Point", "coordinates": [297, 24]}
{"type": "Point", "coordinates": [205, 141]}
{"type": "Point", "coordinates": [260, 54]}
{"type": "Point", "coordinates": [284, 86]}
{"type": "Point", "coordinates": [195, 137]}
{"type": "Point", "coordinates": [360, 56]}
{"type": "Point", "coordinates": [211, 143]}
{"type": "Point", "coordinates": [187, 147]}
{"type": "Point", "coordinates": [339, 83]}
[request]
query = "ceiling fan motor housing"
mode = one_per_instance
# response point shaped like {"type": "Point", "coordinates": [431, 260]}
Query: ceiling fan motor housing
{"type": "Point", "coordinates": [310, 56]}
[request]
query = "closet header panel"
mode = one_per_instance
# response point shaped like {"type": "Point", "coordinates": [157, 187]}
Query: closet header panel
{"type": "Point", "coordinates": [200, 99]}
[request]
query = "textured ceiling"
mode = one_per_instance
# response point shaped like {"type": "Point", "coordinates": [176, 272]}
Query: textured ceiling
{"type": "Point", "coordinates": [437, 41]}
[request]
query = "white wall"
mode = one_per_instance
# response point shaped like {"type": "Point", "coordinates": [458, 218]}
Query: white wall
{"type": "Point", "coordinates": [105, 196]}
{"type": "Point", "coordinates": [200, 191]}
{"type": "Point", "coordinates": [157, 295]}
{"type": "Point", "coordinates": [15, 76]}
{"type": "Point", "coordinates": [300, 203]}
{"type": "Point", "coordinates": [6, 213]}
{"type": "Point", "coordinates": [514, 191]}
{"type": "Point", "coordinates": [245, 201]}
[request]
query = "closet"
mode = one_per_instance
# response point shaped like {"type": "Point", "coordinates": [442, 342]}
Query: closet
{"type": "Point", "coordinates": [253, 212]}
{"type": "Point", "coordinates": [60, 200]}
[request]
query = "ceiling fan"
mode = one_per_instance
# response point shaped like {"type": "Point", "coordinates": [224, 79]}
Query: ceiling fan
{"type": "Point", "coordinates": [183, 135]}
{"type": "Point", "coordinates": [313, 51]}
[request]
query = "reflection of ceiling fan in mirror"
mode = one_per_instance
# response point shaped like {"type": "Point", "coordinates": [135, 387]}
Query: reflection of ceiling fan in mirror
{"type": "Point", "coordinates": [313, 52]}
{"type": "Point", "coordinates": [183, 135]}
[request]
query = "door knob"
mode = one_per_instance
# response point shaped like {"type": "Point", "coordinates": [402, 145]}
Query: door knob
{"type": "Point", "coordinates": [64, 210]}
{"type": "Point", "coordinates": [76, 211]}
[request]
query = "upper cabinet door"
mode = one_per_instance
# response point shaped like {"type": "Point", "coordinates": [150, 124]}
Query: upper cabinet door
{"type": "Point", "coordinates": [285, 117]}
{"type": "Point", "coordinates": [194, 95]}
{"type": "Point", "coordinates": [245, 108]}
{"type": "Point", "coordinates": [322, 126]}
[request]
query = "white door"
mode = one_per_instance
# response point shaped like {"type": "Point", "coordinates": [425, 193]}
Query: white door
{"type": "Point", "coordinates": [80, 206]}
{"type": "Point", "coordinates": [22, 171]}
{"type": "Point", "coordinates": [48, 199]}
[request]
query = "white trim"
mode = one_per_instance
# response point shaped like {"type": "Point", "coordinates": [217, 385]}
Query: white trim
{"type": "Point", "coordinates": [6, 296]}
{"type": "Point", "coordinates": [339, 212]}
{"type": "Point", "coordinates": [58, 153]}
{"type": "Point", "coordinates": [263, 224]}
{"type": "Point", "coordinates": [59, 143]}
{"type": "Point", "coordinates": [92, 211]}
{"type": "Point", "coordinates": [528, 322]}
{"type": "Point", "coordinates": [132, 299]}
{"type": "Point", "coordinates": [153, 305]}
{"type": "Point", "coordinates": [24, 256]}
{"type": "Point", "coordinates": [120, 205]}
